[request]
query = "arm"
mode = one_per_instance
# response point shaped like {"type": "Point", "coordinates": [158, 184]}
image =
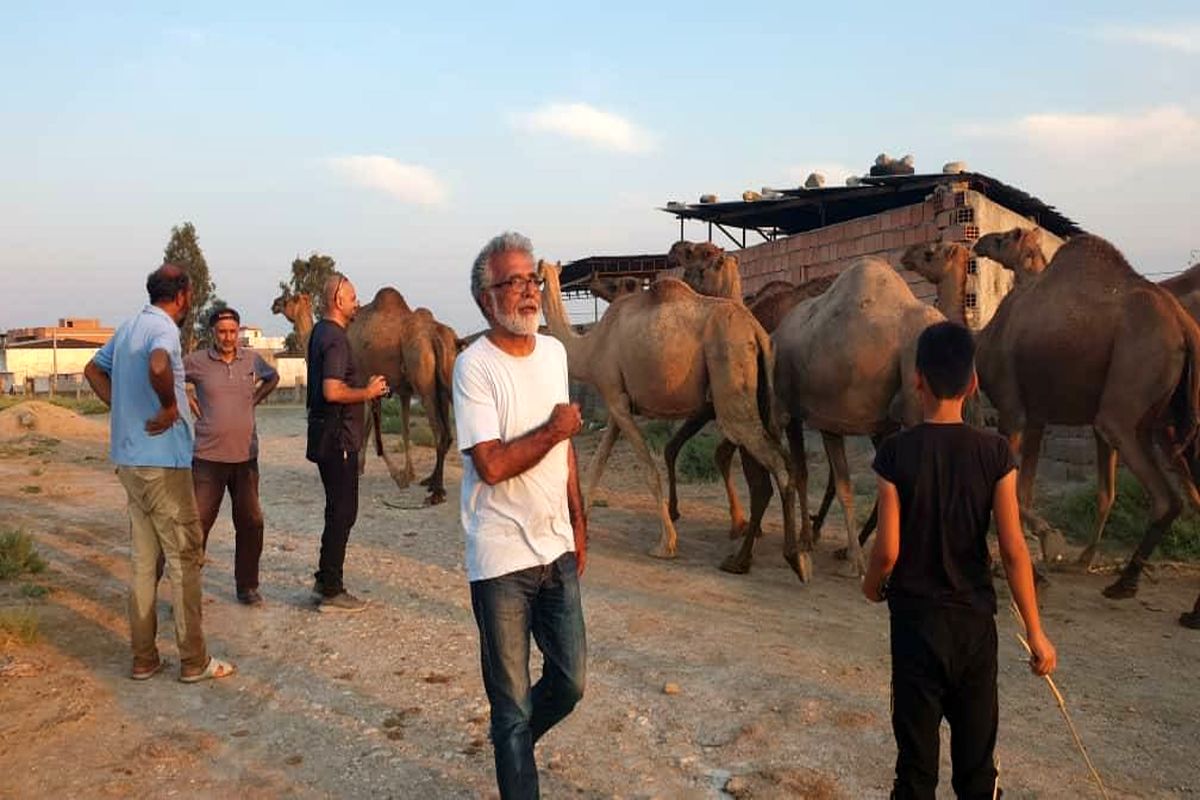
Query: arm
{"type": "Point", "coordinates": [100, 381]}
{"type": "Point", "coordinates": [497, 461]}
{"type": "Point", "coordinates": [577, 510]}
{"type": "Point", "coordinates": [887, 541]}
{"type": "Point", "coordinates": [336, 390]}
{"type": "Point", "coordinates": [162, 381]}
{"type": "Point", "coordinates": [268, 379]}
{"type": "Point", "coordinates": [1019, 570]}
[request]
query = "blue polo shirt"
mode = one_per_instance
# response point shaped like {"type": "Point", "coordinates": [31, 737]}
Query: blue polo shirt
{"type": "Point", "coordinates": [126, 359]}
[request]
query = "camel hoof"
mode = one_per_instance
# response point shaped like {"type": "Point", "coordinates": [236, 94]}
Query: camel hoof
{"type": "Point", "coordinates": [1087, 558]}
{"type": "Point", "coordinates": [425, 481]}
{"type": "Point", "coordinates": [735, 565]}
{"type": "Point", "coordinates": [801, 564]}
{"type": "Point", "coordinates": [1122, 589]}
{"type": "Point", "coordinates": [850, 568]}
{"type": "Point", "coordinates": [737, 531]}
{"type": "Point", "coordinates": [815, 521]}
{"type": "Point", "coordinates": [1190, 619]}
{"type": "Point", "coordinates": [658, 551]}
{"type": "Point", "coordinates": [436, 497]}
{"type": "Point", "coordinates": [1054, 546]}
{"type": "Point", "coordinates": [401, 481]}
{"type": "Point", "coordinates": [841, 554]}
{"type": "Point", "coordinates": [673, 513]}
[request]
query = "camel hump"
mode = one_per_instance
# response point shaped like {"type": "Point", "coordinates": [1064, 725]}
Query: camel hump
{"type": "Point", "coordinates": [388, 297]}
{"type": "Point", "coordinates": [666, 290]}
{"type": "Point", "coordinates": [1090, 257]}
{"type": "Point", "coordinates": [870, 278]}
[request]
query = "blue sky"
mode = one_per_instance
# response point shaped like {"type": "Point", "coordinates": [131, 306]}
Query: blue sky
{"type": "Point", "coordinates": [398, 139]}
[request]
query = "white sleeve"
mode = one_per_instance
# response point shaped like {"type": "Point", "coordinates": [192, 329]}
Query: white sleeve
{"type": "Point", "coordinates": [476, 417]}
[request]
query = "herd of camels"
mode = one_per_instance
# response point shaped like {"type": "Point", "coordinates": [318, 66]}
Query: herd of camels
{"type": "Point", "coordinates": [1080, 340]}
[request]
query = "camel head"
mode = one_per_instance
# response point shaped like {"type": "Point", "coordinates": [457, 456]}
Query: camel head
{"type": "Point", "coordinates": [707, 269]}
{"type": "Point", "coordinates": [936, 261]}
{"type": "Point", "coordinates": [279, 304]}
{"type": "Point", "coordinates": [610, 287]}
{"type": "Point", "coordinates": [1019, 250]}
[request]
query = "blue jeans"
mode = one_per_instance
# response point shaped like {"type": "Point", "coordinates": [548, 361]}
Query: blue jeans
{"type": "Point", "coordinates": [543, 601]}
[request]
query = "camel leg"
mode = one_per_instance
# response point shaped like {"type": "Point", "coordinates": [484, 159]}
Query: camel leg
{"type": "Point", "coordinates": [599, 459]}
{"type": "Point", "coordinates": [818, 519]}
{"type": "Point", "coordinates": [401, 476]}
{"type": "Point", "coordinates": [405, 414]}
{"type": "Point", "coordinates": [1137, 450]}
{"type": "Point", "coordinates": [1053, 544]}
{"type": "Point", "coordinates": [620, 414]}
{"type": "Point", "coordinates": [835, 450]}
{"type": "Point", "coordinates": [1191, 619]}
{"type": "Point", "coordinates": [441, 432]}
{"type": "Point", "coordinates": [758, 480]}
{"type": "Point", "coordinates": [687, 430]}
{"type": "Point", "coordinates": [724, 458]}
{"type": "Point", "coordinates": [762, 460]}
{"type": "Point", "coordinates": [1106, 494]}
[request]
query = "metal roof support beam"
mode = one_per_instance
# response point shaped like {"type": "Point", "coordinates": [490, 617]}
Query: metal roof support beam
{"type": "Point", "coordinates": [732, 238]}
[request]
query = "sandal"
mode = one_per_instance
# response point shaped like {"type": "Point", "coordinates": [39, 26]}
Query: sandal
{"type": "Point", "coordinates": [216, 669]}
{"type": "Point", "coordinates": [146, 674]}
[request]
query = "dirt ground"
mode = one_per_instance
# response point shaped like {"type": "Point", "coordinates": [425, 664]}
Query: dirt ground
{"type": "Point", "coordinates": [782, 688]}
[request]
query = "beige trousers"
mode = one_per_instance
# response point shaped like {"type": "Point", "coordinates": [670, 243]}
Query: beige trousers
{"type": "Point", "coordinates": [163, 520]}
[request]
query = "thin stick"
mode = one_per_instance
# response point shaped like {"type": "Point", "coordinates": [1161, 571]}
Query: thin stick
{"type": "Point", "coordinates": [1062, 706]}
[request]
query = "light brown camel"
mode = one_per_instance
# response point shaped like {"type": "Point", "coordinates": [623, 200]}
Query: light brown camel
{"type": "Point", "coordinates": [706, 351]}
{"type": "Point", "coordinates": [846, 365]}
{"type": "Point", "coordinates": [1091, 342]}
{"type": "Point", "coordinates": [416, 354]}
{"type": "Point", "coordinates": [298, 310]}
{"type": "Point", "coordinates": [610, 287]}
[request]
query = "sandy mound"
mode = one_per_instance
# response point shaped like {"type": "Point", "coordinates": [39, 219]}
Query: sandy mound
{"type": "Point", "coordinates": [46, 419]}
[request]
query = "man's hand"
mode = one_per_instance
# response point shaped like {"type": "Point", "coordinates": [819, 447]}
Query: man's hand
{"type": "Point", "coordinates": [1045, 657]}
{"type": "Point", "coordinates": [580, 561]}
{"type": "Point", "coordinates": [376, 387]}
{"type": "Point", "coordinates": [565, 421]}
{"type": "Point", "coordinates": [163, 420]}
{"type": "Point", "coordinates": [194, 405]}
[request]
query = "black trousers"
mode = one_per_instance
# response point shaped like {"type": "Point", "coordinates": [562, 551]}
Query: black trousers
{"type": "Point", "coordinates": [339, 475]}
{"type": "Point", "coordinates": [944, 665]}
{"type": "Point", "coordinates": [211, 480]}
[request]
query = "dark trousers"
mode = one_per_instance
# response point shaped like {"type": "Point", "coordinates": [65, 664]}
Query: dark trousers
{"type": "Point", "coordinates": [543, 601]}
{"type": "Point", "coordinates": [339, 476]}
{"type": "Point", "coordinates": [944, 665]}
{"type": "Point", "coordinates": [211, 479]}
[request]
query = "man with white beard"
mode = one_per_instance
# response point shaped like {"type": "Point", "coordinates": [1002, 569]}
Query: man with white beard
{"type": "Point", "coordinates": [522, 510]}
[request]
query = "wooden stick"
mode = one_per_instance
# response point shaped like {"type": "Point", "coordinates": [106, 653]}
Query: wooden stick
{"type": "Point", "coordinates": [1062, 706]}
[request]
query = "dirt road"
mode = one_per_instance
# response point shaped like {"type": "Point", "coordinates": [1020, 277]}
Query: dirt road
{"type": "Point", "coordinates": [783, 688]}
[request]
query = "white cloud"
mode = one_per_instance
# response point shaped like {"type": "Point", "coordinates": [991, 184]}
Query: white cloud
{"type": "Point", "coordinates": [409, 183]}
{"type": "Point", "coordinates": [1184, 38]}
{"type": "Point", "coordinates": [585, 123]}
{"type": "Point", "coordinates": [1157, 135]}
{"type": "Point", "coordinates": [835, 173]}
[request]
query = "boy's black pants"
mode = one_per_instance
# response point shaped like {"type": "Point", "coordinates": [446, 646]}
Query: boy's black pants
{"type": "Point", "coordinates": [944, 665]}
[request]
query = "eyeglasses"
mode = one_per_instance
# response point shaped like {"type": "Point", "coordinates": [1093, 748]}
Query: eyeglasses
{"type": "Point", "coordinates": [518, 284]}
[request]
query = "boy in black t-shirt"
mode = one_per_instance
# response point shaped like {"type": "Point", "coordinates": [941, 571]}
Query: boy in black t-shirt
{"type": "Point", "coordinates": [940, 483]}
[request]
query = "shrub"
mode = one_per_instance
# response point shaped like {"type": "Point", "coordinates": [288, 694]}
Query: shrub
{"type": "Point", "coordinates": [17, 555]}
{"type": "Point", "coordinates": [18, 625]}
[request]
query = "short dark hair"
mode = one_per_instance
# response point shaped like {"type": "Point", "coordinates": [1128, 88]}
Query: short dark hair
{"type": "Point", "coordinates": [946, 359]}
{"type": "Point", "coordinates": [165, 282]}
{"type": "Point", "coordinates": [223, 313]}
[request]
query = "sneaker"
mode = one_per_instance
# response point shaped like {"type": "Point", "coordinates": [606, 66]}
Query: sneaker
{"type": "Point", "coordinates": [318, 590]}
{"type": "Point", "coordinates": [343, 601]}
{"type": "Point", "coordinates": [250, 598]}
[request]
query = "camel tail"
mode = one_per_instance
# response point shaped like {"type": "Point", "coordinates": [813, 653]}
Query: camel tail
{"type": "Point", "coordinates": [377, 422]}
{"type": "Point", "coordinates": [766, 382]}
{"type": "Point", "coordinates": [443, 367]}
{"type": "Point", "coordinates": [1185, 402]}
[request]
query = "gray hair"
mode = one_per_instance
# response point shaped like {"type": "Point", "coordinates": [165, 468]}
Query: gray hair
{"type": "Point", "coordinates": [507, 242]}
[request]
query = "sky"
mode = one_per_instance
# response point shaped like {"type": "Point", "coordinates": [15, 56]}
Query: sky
{"type": "Point", "coordinates": [398, 138]}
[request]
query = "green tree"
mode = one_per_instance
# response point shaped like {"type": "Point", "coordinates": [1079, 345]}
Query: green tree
{"type": "Point", "coordinates": [309, 276]}
{"type": "Point", "coordinates": [183, 250]}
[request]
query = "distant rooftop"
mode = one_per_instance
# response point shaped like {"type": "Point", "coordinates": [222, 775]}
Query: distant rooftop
{"type": "Point", "coordinates": [800, 210]}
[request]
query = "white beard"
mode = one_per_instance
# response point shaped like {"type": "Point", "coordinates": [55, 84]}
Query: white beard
{"type": "Point", "coordinates": [518, 323]}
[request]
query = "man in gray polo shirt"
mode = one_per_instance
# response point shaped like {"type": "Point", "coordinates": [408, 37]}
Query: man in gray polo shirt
{"type": "Point", "coordinates": [230, 381]}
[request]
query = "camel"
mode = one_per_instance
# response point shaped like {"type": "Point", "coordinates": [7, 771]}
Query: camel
{"type": "Point", "coordinates": [1186, 288]}
{"type": "Point", "coordinates": [708, 351]}
{"type": "Point", "coordinates": [298, 310]}
{"type": "Point", "coordinates": [416, 354]}
{"type": "Point", "coordinates": [707, 269]}
{"type": "Point", "coordinates": [610, 287]}
{"type": "Point", "coordinates": [1090, 341]}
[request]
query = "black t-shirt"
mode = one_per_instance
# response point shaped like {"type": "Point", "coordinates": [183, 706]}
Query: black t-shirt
{"type": "Point", "coordinates": [946, 476]}
{"type": "Point", "coordinates": [332, 427]}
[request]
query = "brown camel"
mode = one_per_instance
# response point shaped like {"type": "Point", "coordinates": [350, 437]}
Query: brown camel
{"type": "Point", "coordinates": [846, 365]}
{"type": "Point", "coordinates": [298, 310]}
{"type": "Point", "coordinates": [1092, 342]}
{"type": "Point", "coordinates": [610, 287]}
{"type": "Point", "coordinates": [1186, 288]}
{"type": "Point", "coordinates": [416, 354]}
{"type": "Point", "coordinates": [707, 269]}
{"type": "Point", "coordinates": [708, 351]}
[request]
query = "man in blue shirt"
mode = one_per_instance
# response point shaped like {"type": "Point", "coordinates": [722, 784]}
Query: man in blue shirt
{"type": "Point", "coordinates": [139, 374]}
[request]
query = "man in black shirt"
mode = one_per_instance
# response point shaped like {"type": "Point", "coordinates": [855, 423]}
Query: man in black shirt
{"type": "Point", "coordinates": [940, 484]}
{"type": "Point", "coordinates": [335, 433]}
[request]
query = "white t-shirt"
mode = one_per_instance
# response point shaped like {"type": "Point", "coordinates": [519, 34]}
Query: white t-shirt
{"type": "Point", "coordinates": [522, 522]}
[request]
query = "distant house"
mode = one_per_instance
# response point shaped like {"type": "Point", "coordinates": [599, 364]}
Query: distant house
{"type": "Point", "coordinates": [30, 358]}
{"type": "Point", "coordinates": [251, 336]}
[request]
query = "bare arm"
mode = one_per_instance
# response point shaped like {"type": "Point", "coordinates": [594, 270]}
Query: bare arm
{"type": "Point", "coordinates": [887, 541]}
{"type": "Point", "coordinates": [100, 381]}
{"type": "Point", "coordinates": [266, 387]}
{"type": "Point", "coordinates": [576, 508]}
{"type": "Point", "coordinates": [336, 391]}
{"type": "Point", "coordinates": [497, 461]}
{"type": "Point", "coordinates": [1019, 570]}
